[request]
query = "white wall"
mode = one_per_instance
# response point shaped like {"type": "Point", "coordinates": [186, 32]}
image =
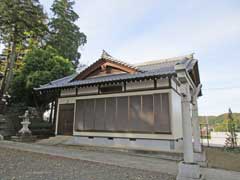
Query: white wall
{"type": "Point", "coordinates": [176, 105]}
{"type": "Point", "coordinates": [175, 114]}
{"type": "Point", "coordinates": [68, 92]}
{"type": "Point", "coordinates": [163, 82]}
{"type": "Point", "coordinates": [154, 141]}
{"type": "Point", "coordinates": [147, 84]}
{"type": "Point", "coordinates": [87, 90]}
{"type": "Point", "coordinates": [140, 85]}
{"type": "Point", "coordinates": [81, 91]}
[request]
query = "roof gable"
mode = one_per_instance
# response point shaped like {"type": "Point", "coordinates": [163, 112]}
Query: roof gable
{"type": "Point", "coordinates": [106, 65]}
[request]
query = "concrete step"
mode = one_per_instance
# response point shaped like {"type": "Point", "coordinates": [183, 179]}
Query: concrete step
{"type": "Point", "coordinates": [64, 141]}
{"type": "Point", "coordinates": [54, 140]}
{"type": "Point", "coordinates": [23, 139]}
{"type": "Point", "coordinates": [3, 121]}
{"type": "Point", "coordinates": [173, 156]}
{"type": "Point", "coordinates": [7, 132]}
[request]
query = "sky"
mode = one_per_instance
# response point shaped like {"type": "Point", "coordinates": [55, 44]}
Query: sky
{"type": "Point", "coordinates": [140, 30]}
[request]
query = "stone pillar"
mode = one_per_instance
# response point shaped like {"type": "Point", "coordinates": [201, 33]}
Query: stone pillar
{"type": "Point", "coordinates": [196, 128]}
{"type": "Point", "coordinates": [187, 124]}
{"type": "Point", "coordinates": [188, 169]}
{"type": "Point", "coordinates": [199, 154]}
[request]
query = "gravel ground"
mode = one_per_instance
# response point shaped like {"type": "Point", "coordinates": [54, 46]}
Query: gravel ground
{"type": "Point", "coordinates": [21, 165]}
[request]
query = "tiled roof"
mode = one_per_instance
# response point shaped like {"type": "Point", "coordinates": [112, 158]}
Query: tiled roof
{"type": "Point", "coordinates": [58, 82]}
{"type": "Point", "coordinates": [160, 68]}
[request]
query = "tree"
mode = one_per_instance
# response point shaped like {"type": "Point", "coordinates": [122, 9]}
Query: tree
{"type": "Point", "coordinates": [65, 35]}
{"type": "Point", "coordinates": [231, 140]}
{"type": "Point", "coordinates": [20, 20]}
{"type": "Point", "coordinates": [40, 67]}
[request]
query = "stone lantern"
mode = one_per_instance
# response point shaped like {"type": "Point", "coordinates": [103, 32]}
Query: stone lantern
{"type": "Point", "coordinates": [25, 131]}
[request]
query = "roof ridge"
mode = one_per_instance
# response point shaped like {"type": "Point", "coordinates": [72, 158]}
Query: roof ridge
{"type": "Point", "coordinates": [107, 56]}
{"type": "Point", "coordinates": [166, 60]}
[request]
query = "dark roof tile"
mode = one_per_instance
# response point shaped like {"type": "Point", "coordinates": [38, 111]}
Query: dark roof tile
{"type": "Point", "coordinates": [161, 68]}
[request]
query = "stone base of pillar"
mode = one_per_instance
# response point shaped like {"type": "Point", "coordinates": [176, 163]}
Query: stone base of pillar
{"type": "Point", "coordinates": [187, 171]}
{"type": "Point", "coordinates": [200, 158]}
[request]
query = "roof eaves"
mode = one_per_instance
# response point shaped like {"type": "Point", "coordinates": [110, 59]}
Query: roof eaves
{"type": "Point", "coordinates": [114, 78]}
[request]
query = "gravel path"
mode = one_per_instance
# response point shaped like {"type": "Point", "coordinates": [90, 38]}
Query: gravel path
{"type": "Point", "coordinates": [110, 158]}
{"type": "Point", "coordinates": [21, 165]}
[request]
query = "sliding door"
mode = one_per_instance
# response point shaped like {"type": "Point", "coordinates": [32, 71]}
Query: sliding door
{"type": "Point", "coordinates": [140, 114]}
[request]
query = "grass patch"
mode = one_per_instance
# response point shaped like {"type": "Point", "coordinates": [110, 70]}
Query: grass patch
{"type": "Point", "coordinates": [222, 158]}
{"type": "Point", "coordinates": [233, 150]}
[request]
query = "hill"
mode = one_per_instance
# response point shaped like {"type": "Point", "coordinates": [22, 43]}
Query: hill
{"type": "Point", "coordinates": [219, 123]}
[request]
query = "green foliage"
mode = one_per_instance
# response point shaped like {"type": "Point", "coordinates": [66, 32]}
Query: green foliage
{"type": "Point", "coordinates": [220, 123]}
{"type": "Point", "coordinates": [21, 19]}
{"type": "Point", "coordinates": [231, 140]}
{"type": "Point", "coordinates": [221, 127]}
{"type": "Point", "coordinates": [65, 35]}
{"type": "Point", "coordinates": [233, 150]}
{"type": "Point", "coordinates": [40, 67]}
{"type": "Point", "coordinates": [38, 50]}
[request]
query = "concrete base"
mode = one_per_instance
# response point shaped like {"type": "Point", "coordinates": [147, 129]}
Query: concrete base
{"type": "Point", "coordinates": [188, 171]}
{"type": "Point", "coordinates": [200, 158]}
{"type": "Point", "coordinates": [132, 143]}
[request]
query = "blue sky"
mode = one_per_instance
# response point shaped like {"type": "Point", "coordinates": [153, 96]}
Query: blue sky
{"type": "Point", "coordinates": [140, 30]}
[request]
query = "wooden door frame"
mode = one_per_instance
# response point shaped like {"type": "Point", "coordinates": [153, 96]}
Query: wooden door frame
{"type": "Point", "coordinates": [58, 123]}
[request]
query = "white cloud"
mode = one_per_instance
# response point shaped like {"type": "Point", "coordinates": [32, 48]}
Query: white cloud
{"type": "Point", "coordinates": [215, 102]}
{"type": "Point", "coordinates": [182, 37]}
{"type": "Point", "coordinates": [138, 30]}
{"type": "Point", "coordinates": [105, 21]}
